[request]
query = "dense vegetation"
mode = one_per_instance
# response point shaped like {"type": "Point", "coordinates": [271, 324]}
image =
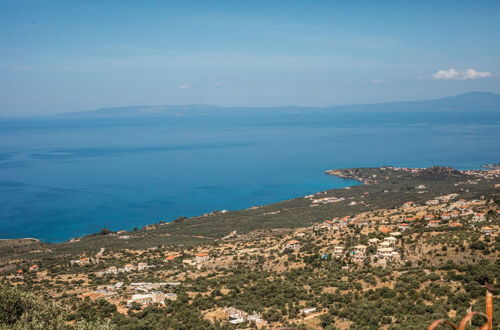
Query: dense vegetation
{"type": "Point", "coordinates": [407, 298]}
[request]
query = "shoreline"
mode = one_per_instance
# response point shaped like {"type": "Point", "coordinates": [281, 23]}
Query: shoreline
{"type": "Point", "coordinates": [214, 212]}
{"type": "Point", "coordinates": [365, 177]}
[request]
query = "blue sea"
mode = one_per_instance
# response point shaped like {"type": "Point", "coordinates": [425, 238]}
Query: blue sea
{"type": "Point", "coordinates": [65, 178]}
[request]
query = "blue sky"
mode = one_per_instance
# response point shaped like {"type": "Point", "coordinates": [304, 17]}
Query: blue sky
{"type": "Point", "coordinates": [62, 56]}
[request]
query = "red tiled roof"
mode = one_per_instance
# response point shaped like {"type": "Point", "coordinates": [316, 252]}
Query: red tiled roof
{"type": "Point", "coordinates": [384, 230]}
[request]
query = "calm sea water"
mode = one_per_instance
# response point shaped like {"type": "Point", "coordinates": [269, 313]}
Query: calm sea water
{"type": "Point", "coordinates": [66, 178]}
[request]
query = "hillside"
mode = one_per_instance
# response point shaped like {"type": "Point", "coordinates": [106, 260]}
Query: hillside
{"type": "Point", "coordinates": [407, 247]}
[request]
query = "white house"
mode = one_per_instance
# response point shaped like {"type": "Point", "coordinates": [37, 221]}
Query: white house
{"type": "Point", "coordinates": [358, 253]}
{"type": "Point", "coordinates": [202, 257]}
{"type": "Point", "coordinates": [385, 244]}
{"type": "Point", "coordinates": [478, 217]}
{"type": "Point", "coordinates": [391, 239]}
{"type": "Point", "coordinates": [433, 223]}
{"type": "Point", "coordinates": [488, 230]}
{"type": "Point", "coordinates": [293, 244]}
{"type": "Point", "coordinates": [403, 226]}
{"type": "Point", "coordinates": [128, 267]}
{"type": "Point", "coordinates": [338, 251]}
{"type": "Point", "coordinates": [148, 298]}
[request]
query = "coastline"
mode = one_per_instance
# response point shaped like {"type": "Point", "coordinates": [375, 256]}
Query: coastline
{"type": "Point", "coordinates": [380, 187]}
{"type": "Point", "coordinates": [122, 195]}
{"type": "Point", "coordinates": [355, 183]}
{"type": "Point", "coordinates": [151, 222]}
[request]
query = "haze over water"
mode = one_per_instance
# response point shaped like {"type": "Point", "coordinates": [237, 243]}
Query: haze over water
{"type": "Point", "coordinates": [66, 178]}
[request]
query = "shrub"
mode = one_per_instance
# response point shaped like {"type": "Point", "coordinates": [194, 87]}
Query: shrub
{"type": "Point", "coordinates": [21, 310]}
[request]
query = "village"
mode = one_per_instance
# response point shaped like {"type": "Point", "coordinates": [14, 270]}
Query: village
{"type": "Point", "coordinates": [385, 238]}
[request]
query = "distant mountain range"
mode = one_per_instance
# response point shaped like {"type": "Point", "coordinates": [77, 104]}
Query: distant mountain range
{"type": "Point", "coordinates": [473, 101]}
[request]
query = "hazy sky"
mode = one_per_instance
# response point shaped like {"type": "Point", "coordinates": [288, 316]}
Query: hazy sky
{"type": "Point", "coordinates": [61, 56]}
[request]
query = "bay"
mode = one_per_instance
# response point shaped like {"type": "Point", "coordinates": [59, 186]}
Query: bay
{"type": "Point", "coordinates": [61, 179]}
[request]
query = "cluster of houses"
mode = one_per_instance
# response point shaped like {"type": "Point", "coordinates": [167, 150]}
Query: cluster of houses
{"type": "Point", "coordinates": [147, 286]}
{"type": "Point", "coordinates": [490, 173]}
{"type": "Point", "coordinates": [385, 250]}
{"type": "Point", "coordinates": [127, 268]}
{"type": "Point", "coordinates": [199, 260]}
{"type": "Point", "coordinates": [150, 293]}
{"type": "Point", "coordinates": [82, 261]}
{"type": "Point", "coordinates": [237, 316]}
{"type": "Point", "coordinates": [32, 268]}
{"type": "Point", "coordinates": [155, 297]}
{"type": "Point", "coordinates": [335, 223]}
{"type": "Point", "coordinates": [326, 200]}
{"type": "Point", "coordinates": [385, 254]}
{"type": "Point", "coordinates": [441, 211]}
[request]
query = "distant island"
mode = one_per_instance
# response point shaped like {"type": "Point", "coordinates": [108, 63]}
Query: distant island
{"type": "Point", "coordinates": [472, 101]}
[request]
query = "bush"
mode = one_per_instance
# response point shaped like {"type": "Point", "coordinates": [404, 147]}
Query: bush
{"type": "Point", "coordinates": [105, 231]}
{"type": "Point", "coordinates": [21, 310]}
